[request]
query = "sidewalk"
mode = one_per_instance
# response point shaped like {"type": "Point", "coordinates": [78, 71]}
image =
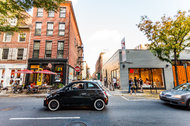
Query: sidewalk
{"type": "Point", "coordinates": [145, 95]}
{"type": "Point", "coordinates": [5, 93]}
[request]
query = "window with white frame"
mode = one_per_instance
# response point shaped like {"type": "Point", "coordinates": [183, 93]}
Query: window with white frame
{"type": "Point", "coordinates": [20, 54]}
{"type": "Point", "coordinates": [38, 28]}
{"type": "Point", "coordinates": [50, 28]}
{"type": "Point", "coordinates": [22, 37]}
{"type": "Point", "coordinates": [61, 29]}
{"type": "Point", "coordinates": [60, 49]}
{"type": "Point", "coordinates": [5, 53]}
{"type": "Point", "coordinates": [36, 49]}
{"type": "Point", "coordinates": [62, 12]}
{"type": "Point", "coordinates": [50, 13]}
{"type": "Point", "coordinates": [48, 49]}
{"type": "Point", "coordinates": [7, 37]}
{"type": "Point", "coordinates": [13, 21]}
{"type": "Point", "coordinates": [40, 12]}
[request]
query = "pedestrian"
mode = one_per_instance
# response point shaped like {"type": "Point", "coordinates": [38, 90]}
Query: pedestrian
{"type": "Point", "coordinates": [114, 83]}
{"type": "Point", "coordinates": [135, 81]}
{"type": "Point", "coordinates": [141, 84]}
{"type": "Point", "coordinates": [130, 84]}
{"type": "Point", "coordinates": [133, 88]}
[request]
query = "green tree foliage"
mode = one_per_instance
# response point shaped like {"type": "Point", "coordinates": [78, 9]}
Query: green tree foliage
{"type": "Point", "coordinates": [169, 37]}
{"type": "Point", "coordinates": [15, 9]}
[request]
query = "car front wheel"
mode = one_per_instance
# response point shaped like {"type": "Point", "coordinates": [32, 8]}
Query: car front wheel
{"type": "Point", "coordinates": [53, 105]}
{"type": "Point", "coordinates": [188, 104]}
{"type": "Point", "coordinates": [99, 104]}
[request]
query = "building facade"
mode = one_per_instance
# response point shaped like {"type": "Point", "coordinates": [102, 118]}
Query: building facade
{"type": "Point", "coordinates": [56, 44]}
{"type": "Point", "coordinates": [14, 52]}
{"type": "Point", "coordinates": [143, 64]}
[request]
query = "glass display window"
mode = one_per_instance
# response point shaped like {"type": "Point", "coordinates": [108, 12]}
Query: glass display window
{"type": "Point", "coordinates": [152, 77]}
{"type": "Point", "coordinates": [59, 71]}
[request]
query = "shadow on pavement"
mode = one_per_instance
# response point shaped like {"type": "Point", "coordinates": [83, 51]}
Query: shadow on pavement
{"type": "Point", "coordinates": [175, 107]}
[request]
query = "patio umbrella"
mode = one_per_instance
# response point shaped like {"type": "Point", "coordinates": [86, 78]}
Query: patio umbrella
{"type": "Point", "coordinates": [46, 72]}
{"type": "Point", "coordinates": [25, 71]}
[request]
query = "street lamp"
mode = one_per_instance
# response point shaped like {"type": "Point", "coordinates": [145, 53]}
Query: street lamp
{"type": "Point", "coordinates": [185, 66]}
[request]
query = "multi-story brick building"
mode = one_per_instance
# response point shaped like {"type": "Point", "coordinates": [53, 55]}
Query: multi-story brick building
{"type": "Point", "coordinates": [55, 44]}
{"type": "Point", "coordinates": [13, 52]}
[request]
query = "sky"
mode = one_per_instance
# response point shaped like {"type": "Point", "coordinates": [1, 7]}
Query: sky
{"type": "Point", "coordinates": [104, 23]}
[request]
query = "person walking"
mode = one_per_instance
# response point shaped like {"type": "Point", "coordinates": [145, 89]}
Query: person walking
{"type": "Point", "coordinates": [130, 84]}
{"type": "Point", "coordinates": [114, 82]}
{"type": "Point", "coordinates": [133, 88]}
{"type": "Point", "coordinates": [141, 84]}
{"type": "Point", "coordinates": [135, 81]}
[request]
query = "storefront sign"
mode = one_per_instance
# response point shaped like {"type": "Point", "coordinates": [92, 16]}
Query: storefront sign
{"type": "Point", "coordinates": [34, 66]}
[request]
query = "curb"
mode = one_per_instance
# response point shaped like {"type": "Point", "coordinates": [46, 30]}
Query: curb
{"type": "Point", "coordinates": [24, 95]}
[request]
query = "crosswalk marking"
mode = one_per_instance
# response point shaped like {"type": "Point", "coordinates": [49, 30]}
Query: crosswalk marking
{"type": "Point", "coordinates": [44, 118]}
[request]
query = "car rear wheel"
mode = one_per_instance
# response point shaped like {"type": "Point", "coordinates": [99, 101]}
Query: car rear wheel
{"type": "Point", "coordinates": [99, 104]}
{"type": "Point", "coordinates": [188, 104]}
{"type": "Point", "coordinates": [53, 105]}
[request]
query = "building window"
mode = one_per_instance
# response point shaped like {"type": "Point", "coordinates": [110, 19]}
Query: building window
{"type": "Point", "coordinates": [5, 53]}
{"type": "Point", "coordinates": [60, 49]}
{"type": "Point", "coordinates": [50, 13]}
{"type": "Point", "coordinates": [36, 49]}
{"type": "Point", "coordinates": [40, 12]}
{"type": "Point", "coordinates": [48, 49]}
{"type": "Point", "coordinates": [7, 37]}
{"type": "Point", "coordinates": [61, 29]}
{"type": "Point", "coordinates": [38, 28]}
{"type": "Point", "coordinates": [62, 12]}
{"type": "Point", "coordinates": [152, 77]}
{"type": "Point", "coordinates": [50, 28]}
{"type": "Point", "coordinates": [22, 37]}
{"type": "Point", "coordinates": [20, 54]}
{"type": "Point", "coordinates": [13, 21]}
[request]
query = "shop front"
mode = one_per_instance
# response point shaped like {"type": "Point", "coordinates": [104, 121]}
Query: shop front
{"type": "Point", "coordinates": [59, 66]}
{"type": "Point", "coordinates": [8, 75]}
{"type": "Point", "coordinates": [151, 77]}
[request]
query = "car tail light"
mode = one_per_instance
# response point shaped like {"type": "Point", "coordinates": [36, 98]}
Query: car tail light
{"type": "Point", "coordinates": [105, 93]}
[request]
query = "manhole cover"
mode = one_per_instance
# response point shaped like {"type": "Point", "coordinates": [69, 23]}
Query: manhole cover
{"type": "Point", "coordinates": [76, 124]}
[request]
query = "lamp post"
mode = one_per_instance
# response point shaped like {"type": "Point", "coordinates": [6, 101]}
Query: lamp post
{"type": "Point", "coordinates": [185, 66]}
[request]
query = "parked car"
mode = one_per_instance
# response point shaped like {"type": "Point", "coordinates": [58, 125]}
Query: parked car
{"type": "Point", "coordinates": [79, 93]}
{"type": "Point", "coordinates": [180, 95]}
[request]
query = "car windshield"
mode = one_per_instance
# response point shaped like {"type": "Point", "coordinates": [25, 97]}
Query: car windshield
{"type": "Point", "coordinates": [183, 87]}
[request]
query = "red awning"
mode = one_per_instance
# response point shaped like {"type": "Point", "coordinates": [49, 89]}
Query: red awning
{"type": "Point", "coordinates": [25, 71]}
{"type": "Point", "coordinates": [45, 72]}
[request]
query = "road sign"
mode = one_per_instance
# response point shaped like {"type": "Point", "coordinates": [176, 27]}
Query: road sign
{"type": "Point", "coordinates": [77, 69]}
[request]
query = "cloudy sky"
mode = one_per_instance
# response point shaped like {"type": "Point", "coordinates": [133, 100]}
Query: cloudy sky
{"type": "Point", "coordinates": [103, 23]}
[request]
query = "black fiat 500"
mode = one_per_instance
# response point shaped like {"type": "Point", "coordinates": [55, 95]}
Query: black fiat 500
{"type": "Point", "coordinates": [80, 93]}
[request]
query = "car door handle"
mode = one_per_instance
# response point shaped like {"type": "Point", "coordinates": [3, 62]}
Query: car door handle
{"type": "Point", "coordinates": [83, 94]}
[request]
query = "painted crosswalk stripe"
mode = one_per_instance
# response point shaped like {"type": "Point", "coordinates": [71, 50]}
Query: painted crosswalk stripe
{"type": "Point", "coordinates": [125, 98]}
{"type": "Point", "coordinates": [44, 118]}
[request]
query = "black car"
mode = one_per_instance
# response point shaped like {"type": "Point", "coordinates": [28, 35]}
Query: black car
{"type": "Point", "coordinates": [80, 93]}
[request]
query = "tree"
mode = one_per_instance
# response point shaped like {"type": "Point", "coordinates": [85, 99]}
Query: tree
{"type": "Point", "coordinates": [169, 37]}
{"type": "Point", "coordinates": [16, 9]}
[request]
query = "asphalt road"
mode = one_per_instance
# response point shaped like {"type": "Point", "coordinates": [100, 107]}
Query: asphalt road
{"type": "Point", "coordinates": [29, 111]}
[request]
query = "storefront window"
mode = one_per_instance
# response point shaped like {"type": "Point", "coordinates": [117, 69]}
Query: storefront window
{"type": "Point", "coordinates": [18, 74]}
{"type": "Point", "coordinates": [150, 76]}
{"type": "Point", "coordinates": [59, 71]}
{"type": "Point", "coordinates": [3, 73]}
{"type": "Point", "coordinates": [12, 73]}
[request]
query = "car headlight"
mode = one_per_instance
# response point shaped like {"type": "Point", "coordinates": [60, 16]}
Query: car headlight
{"type": "Point", "coordinates": [176, 96]}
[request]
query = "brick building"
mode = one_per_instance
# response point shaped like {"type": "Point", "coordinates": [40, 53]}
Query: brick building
{"type": "Point", "coordinates": [13, 52]}
{"type": "Point", "coordinates": [55, 44]}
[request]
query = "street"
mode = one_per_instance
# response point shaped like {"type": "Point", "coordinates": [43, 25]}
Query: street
{"type": "Point", "coordinates": [20, 111]}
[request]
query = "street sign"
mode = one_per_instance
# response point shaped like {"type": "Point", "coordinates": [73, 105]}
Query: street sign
{"type": "Point", "coordinates": [77, 69]}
